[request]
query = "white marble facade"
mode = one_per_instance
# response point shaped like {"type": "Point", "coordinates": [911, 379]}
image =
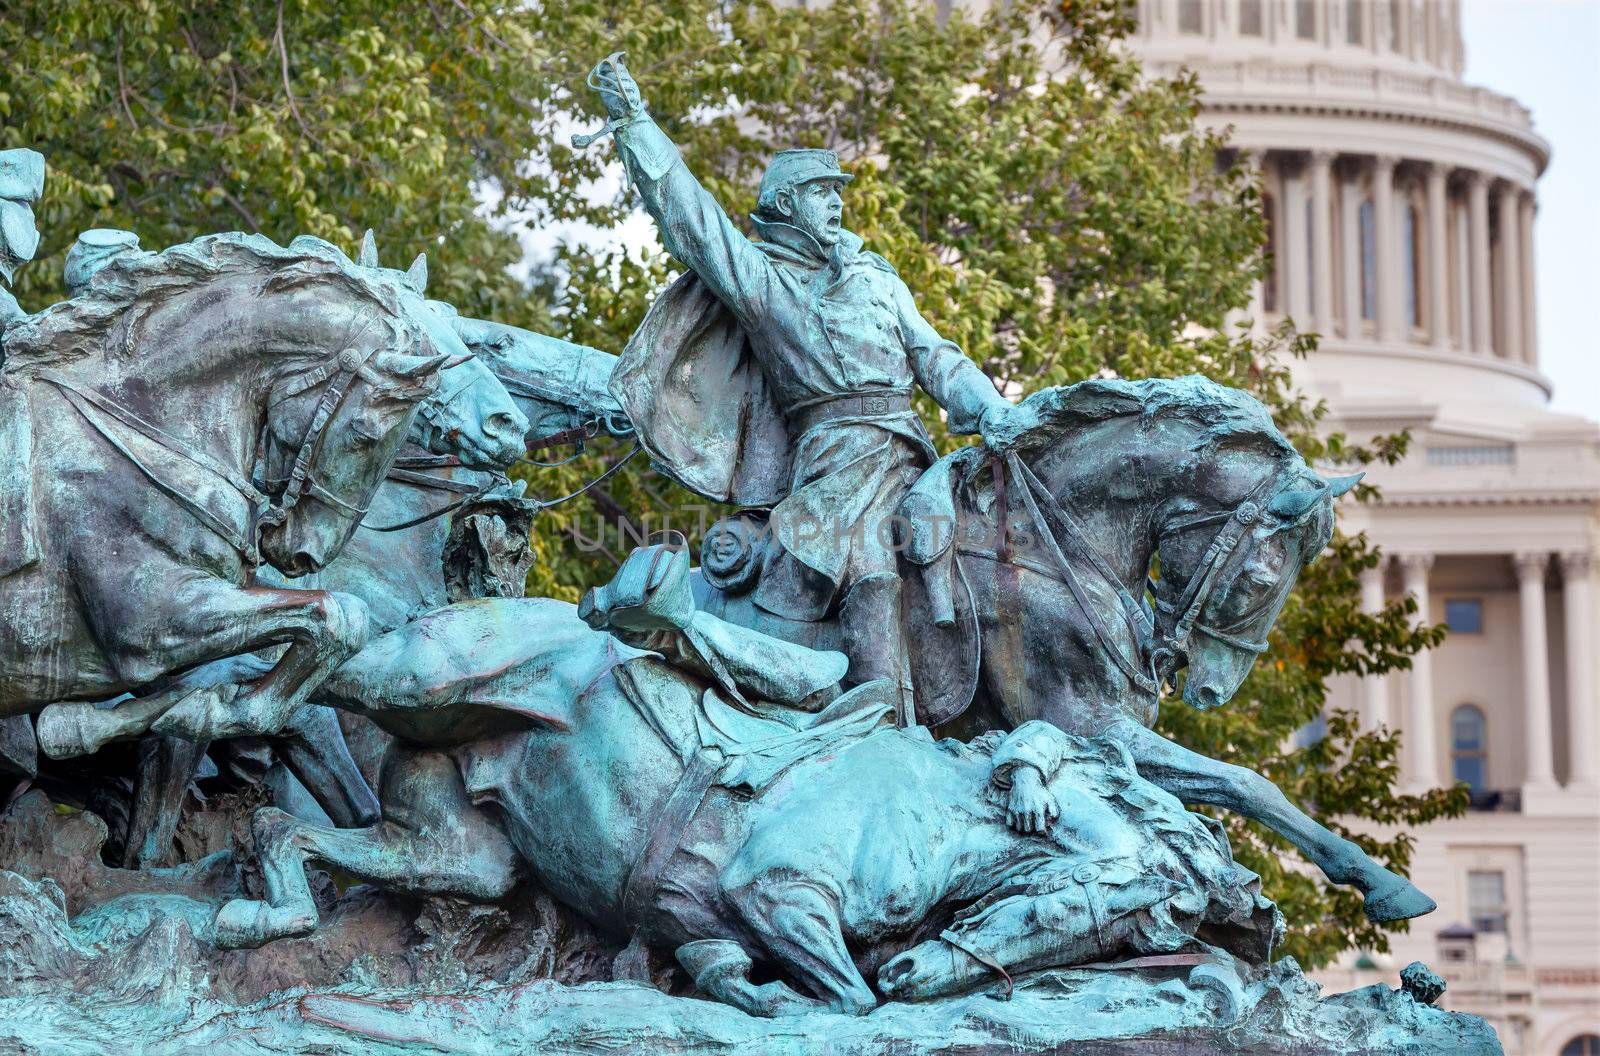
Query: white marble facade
{"type": "Point", "coordinates": [1401, 206]}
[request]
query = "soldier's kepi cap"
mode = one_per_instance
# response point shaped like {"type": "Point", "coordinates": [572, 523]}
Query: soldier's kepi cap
{"type": "Point", "coordinates": [93, 250]}
{"type": "Point", "coordinates": [791, 168]}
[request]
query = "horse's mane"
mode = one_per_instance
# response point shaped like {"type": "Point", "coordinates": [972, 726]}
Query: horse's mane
{"type": "Point", "coordinates": [87, 324]}
{"type": "Point", "coordinates": [1224, 413]}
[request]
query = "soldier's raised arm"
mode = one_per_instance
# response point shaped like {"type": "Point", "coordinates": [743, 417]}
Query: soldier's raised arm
{"type": "Point", "coordinates": [693, 226]}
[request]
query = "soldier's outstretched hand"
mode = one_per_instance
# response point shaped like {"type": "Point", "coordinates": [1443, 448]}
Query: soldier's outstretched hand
{"type": "Point", "coordinates": [616, 86]}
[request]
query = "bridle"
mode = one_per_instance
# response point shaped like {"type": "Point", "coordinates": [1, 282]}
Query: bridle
{"type": "Point", "coordinates": [1166, 650]}
{"type": "Point", "coordinates": [409, 470]}
{"type": "Point", "coordinates": [338, 373]}
{"type": "Point", "coordinates": [264, 512]}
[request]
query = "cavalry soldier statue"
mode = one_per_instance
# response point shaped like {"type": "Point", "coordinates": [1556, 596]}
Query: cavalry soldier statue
{"type": "Point", "coordinates": [779, 375]}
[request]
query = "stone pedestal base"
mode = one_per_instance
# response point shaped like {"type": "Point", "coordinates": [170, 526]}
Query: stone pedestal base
{"type": "Point", "coordinates": [136, 975]}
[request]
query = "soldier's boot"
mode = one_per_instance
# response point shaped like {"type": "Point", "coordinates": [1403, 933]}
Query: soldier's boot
{"type": "Point", "coordinates": [872, 625]}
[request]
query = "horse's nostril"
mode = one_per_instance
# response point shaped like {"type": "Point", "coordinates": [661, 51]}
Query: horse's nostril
{"type": "Point", "coordinates": [501, 425]}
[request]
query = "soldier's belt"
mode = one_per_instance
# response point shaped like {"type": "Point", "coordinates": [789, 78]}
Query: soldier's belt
{"type": "Point", "coordinates": [863, 405]}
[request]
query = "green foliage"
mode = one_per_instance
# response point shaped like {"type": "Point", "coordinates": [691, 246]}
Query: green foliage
{"type": "Point", "coordinates": [1054, 211]}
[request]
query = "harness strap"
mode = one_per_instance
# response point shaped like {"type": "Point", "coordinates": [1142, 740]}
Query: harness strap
{"type": "Point", "coordinates": [228, 533]}
{"type": "Point", "coordinates": [667, 833]}
{"type": "Point", "coordinates": [350, 363]}
{"type": "Point", "coordinates": [1128, 666]}
{"type": "Point", "coordinates": [982, 958]}
{"type": "Point", "coordinates": [170, 443]}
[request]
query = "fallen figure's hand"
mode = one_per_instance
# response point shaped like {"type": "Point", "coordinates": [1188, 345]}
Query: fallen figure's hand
{"type": "Point", "coordinates": [1031, 806]}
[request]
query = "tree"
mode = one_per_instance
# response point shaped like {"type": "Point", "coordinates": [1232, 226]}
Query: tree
{"type": "Point", "coordinates": [1054, 211]}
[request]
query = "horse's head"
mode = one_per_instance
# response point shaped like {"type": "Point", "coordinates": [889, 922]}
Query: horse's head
{"type": "Point", "coordinates": [1222, 589]}
{"type": "Point", "coordinates": [471, 416]}
{"type": "Point", "coordinates": [1048, 922]}
{"type": "Point", "coordinates": [327, 446]}
{"type": "Point", "coordinates": [558, 385]}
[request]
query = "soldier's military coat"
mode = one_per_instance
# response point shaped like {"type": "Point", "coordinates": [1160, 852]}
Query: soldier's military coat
{"type": "Point", "coordinates": [778, 374]}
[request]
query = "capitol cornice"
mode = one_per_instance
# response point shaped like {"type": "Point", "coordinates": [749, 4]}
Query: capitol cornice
{"type": "Point", "coordinates": [1251, 86]}
{"type": "Point", "coordinates": [1530, 142]}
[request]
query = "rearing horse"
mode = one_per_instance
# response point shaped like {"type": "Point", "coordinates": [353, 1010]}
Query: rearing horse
{"type": "Point", "coordinates": [223, 401]}
{"type": "Point", "coordinates": [1054, 546]}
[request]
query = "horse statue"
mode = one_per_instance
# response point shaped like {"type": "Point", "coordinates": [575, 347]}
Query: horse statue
{"type": "Point", "coordinates": [416, 552]}
{"type": "Point", "coordinates": [1030, 572]}
{"type": "Point", "coordinates": [718, 795]}
{"type": "Point", "coordinates": [225, 401]}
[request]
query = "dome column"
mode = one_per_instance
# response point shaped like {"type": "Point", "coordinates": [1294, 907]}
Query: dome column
{"type": "Point", "coordinates": [1530, 332]}
{"type": "Point", "coordinates": [1322, 240]}
{"type": "Point", "coordinates": [1375, 688]}
{"type": "Point", "coordinates": [1390, 329]}
{"type": "Point", "coordinates": [1577, 589]}
{"type": "Point", "coordinates": [1419, 731]}
{"type": "Point", "coordinates": [1510, 274]}
{"type": "Point", "coordinates": [1438, 257]}
{"type": "Point", "coordinates": [1481, 340]}
{"type": "Point", "coordinates": [1350, 236]}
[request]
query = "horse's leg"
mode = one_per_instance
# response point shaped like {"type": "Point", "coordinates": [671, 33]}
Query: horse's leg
{"type": "Point", "coordinates": [798, 923]}
{"type": "Point", "coordinates": [314, 749]}
{"type": "Point", "coordinates": [721, 969]}
{"type": "Point", "coordinates": [166, 767]}
{"type": "Point", "coordinates": [435, 842]}
{"type": "Point", "coordinates": [208, 618]}
{"type": "Point", "coordinates": [1195, 778]}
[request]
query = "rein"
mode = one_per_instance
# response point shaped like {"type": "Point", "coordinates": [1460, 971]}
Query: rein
{"type": "Point", "coordinates": [1052, 521]}
{"type": "Point", "coordinates": [341, 369]}
{"type": "Point", "coordinates": [471, 493]}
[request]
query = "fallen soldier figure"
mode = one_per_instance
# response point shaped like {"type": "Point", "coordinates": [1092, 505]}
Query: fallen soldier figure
{"type": "Point", "coordinates": [709, 789]}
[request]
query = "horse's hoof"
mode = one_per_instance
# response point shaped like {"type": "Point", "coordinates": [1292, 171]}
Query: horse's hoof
{"type": "Point", "coordinates": [60, 731]}
{"type": "Point", "coordinates": [1398, 901]}
{"type": "Point", "coordinates": [246, 923]}
{"type": "Point", "coordinates": [1219, 984]}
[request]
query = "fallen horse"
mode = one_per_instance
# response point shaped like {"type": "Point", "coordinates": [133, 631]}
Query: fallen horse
{"type": "Point", "coordinates": [732, 806]}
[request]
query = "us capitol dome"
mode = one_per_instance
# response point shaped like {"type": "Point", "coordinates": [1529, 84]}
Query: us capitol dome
{"type": "Point", "coordinates": [1400, 204]}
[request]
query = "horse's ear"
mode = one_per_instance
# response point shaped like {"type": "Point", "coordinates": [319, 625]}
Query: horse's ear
{"type": "Point", "coordinates": [1339, 485]}
{"type": "Point", "coordinates": [369, 251]}
{"type": "Point", "coordinates": [1292, 505]}
{"type": "Point", "coordinates": [417, 274]}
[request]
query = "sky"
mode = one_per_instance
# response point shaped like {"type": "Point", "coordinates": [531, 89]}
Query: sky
{"type": "Point", "coordinates": [1546, 55]}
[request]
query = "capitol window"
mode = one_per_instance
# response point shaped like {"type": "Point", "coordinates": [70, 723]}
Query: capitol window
{"type": "Point", "coordinates": [1469, 749]}
{"type": "Point", "coordinates": [1250, 24]}
{"type": "Point", "coordinates": [1464, 615]}
{"type": "Point", "coordinates": [1411, 254]}
{"type": "Point", "coordinates": [1352, 21]}
{"type": "Point", "coordinates": [1486, 900]}
{"type": "Point", "coordinates": [1582, 1045]}
{"type": "Point", "coordinates": [1369, 261]}
{"type": "Point", "coordinates": [1305, 19]}
{"type": "Point", "coordinates": [1189, 16]}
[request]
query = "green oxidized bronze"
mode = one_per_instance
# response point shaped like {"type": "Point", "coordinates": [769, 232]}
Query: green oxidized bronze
{"type": "Point", "coordinates": [887, 751]}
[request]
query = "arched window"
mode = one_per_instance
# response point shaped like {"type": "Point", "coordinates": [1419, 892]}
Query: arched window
{"type": "Point", "coordinates": [1469, 759]}
{"type": "Point", "coordinates": [1582, 1045]}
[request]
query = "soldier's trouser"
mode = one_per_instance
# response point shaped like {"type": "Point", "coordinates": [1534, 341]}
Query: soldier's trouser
{"type": "Point", "coordinates": [873, 628]}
